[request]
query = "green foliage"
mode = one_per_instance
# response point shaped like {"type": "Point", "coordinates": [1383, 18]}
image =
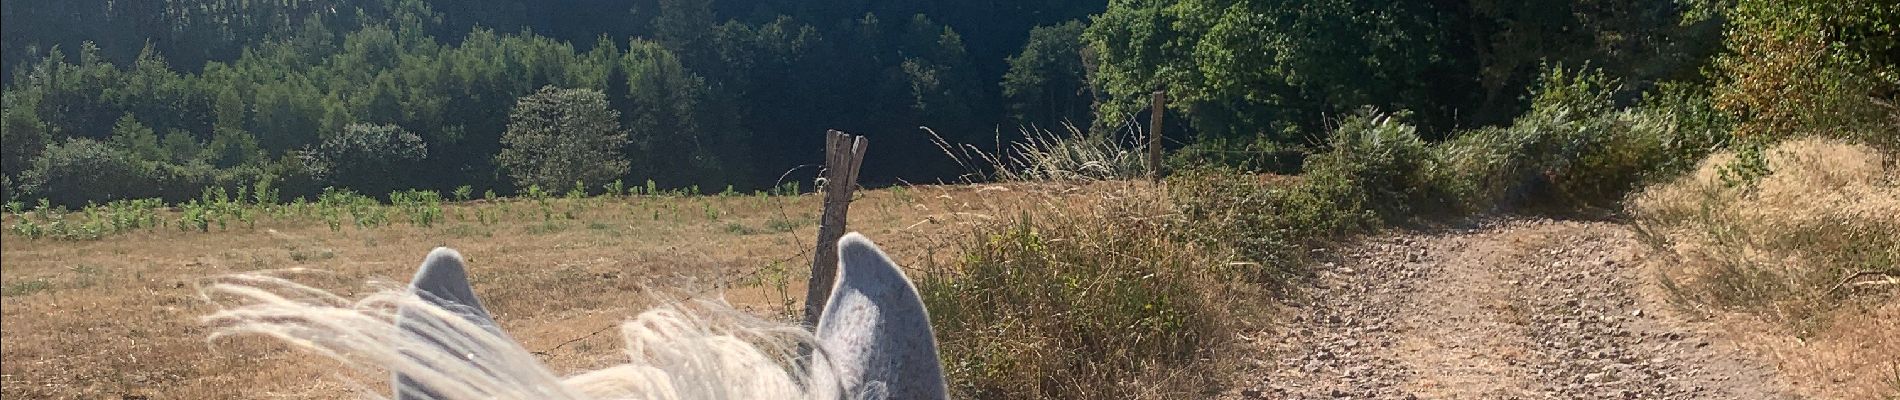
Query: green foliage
{"type": "Point", "coordinates": [137, 139]}
{"type": "Point", "coordinates": [1795, 68]}
{"type": "Point", "coordinates": [369, 157]}
{"type": "Point", "coordinates": [84, 170]}
{"type": "Point", "coordinates": [465, 192]}
{"type": "Point", "coordinates": [714, 83]}
{"type": "Point", "coordinates": [1250, 68]}
{"type": "Point", "coordinates": [364, 211]}
{"type": "Point", "coordinates": [1047, 83]}
{"type": "Point", "coordinates": [615, 188]}
{"type": "Point", "coordinates": [92, 222]}
{"type": "Point", "coordinates": [1259, 153]}
{"type": "Point", "coordinates": [232, 147]}
{"type": "Point", "coordinates": [1576, 148]}
{"type": "Point", "coordinates": [1378, 163]}
{"type": "Point", "coordinates": [181, 147]}
{"type": "Point", "coordinates": [559, 136]}
{"type": "Point", "coordinates": [1376, 171]}
{"type": "Point", "coordinates": [424, 208]}
{"type": "Point", "coordinates": [22, 137]}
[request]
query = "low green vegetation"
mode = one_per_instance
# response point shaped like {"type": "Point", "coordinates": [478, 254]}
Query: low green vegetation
{"type": "Point", "coordinates": [25, 287]}
{"type": "Point", "coordinates": [221, 210]}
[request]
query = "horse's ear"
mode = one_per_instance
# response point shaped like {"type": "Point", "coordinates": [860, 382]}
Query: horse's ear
{"type": "Point", "coordinates": [875, 330]}
{"type": "Point", "coordinates": [442, 281]}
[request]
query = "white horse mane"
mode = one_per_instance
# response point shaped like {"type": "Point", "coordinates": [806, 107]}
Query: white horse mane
{"type": "Point", "coordinates": [873, 341]}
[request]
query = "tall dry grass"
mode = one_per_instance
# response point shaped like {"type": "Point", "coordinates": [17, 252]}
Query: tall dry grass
{"type": "Point", "coordinates": [1809, 250]}
{"type": "Point", "coordinates": [1049, 155]}
{"type": "Point", "coordinates": [1105, 302]}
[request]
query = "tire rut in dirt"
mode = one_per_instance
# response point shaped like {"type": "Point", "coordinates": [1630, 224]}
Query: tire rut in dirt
{"type": "Point", "coordinates": [1510, 309]}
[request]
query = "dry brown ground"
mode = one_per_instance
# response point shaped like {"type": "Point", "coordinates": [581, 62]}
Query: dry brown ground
{"type": "Point", "coordinates": [1511, 309]}
{"type": "Point", "coordinates": [118, 317]}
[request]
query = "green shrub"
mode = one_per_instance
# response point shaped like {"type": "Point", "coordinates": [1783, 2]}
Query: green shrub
{"type": "Point", "coordinates": [1376, 171]}
{"type": "Point", "coordinates": [559, 136]}
{"type": "Point", "coordinates": [84, 170]}
{"type": "Point", "coordinates": [1376, 163]}
{"type": "Point", "coordinates": [1261, 153]}
{"type": "Point", "coordinates": [369, 158]}
{"type": "Point", "coordinates": [1227, 207]}
{"type": "Point", "coordinates": [1575, 148]}
{"type": "Point", "coordinates": [1795, 68]}
{"type": "Point", "coordinates": [423, 207]}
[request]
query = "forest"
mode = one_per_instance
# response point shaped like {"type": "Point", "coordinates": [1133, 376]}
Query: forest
{"type": "Point", "coordinates": [108, 100]}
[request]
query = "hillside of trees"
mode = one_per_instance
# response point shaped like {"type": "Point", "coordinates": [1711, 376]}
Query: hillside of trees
{"type": "Point", "coordinates": [108, 100]}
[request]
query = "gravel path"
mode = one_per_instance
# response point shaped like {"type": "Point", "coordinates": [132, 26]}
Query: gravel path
{"type": "Point", "coordinates": [1513, 309]}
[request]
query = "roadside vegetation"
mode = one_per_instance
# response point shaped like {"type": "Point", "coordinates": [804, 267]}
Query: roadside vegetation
{"type": "Point", "coordinates": [1768, 213]}
{"type": "Point", "coordinates": [247, 207]}
{"type": "Point", "coordinates": [1751, 143]}
{"type": "Point", "coordinates": [1807, 252]}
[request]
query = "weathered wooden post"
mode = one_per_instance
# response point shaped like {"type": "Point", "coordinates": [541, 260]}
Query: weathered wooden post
{"type": "Point", "coordinates": [844, 153]}
{"type": "Point", "coordinates": [1154, 135]}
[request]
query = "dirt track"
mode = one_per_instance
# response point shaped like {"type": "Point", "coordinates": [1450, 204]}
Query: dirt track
{"type": "Point", "coordinates": [1518, 309]}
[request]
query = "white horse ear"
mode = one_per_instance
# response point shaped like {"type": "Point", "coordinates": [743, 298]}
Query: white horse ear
{"type": "Point", "coordinates": [442, 281]}
{"type": "Point", "coordinates": [875, 331]}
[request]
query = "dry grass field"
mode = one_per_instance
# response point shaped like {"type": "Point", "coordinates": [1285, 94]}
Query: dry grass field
{"type": "Point", "coordinates": [118, 317]}
{"type": "Point", "coordinates": [1801, 268]}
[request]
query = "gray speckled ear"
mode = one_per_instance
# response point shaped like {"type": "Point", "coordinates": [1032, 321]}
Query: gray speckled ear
{"type": "Point", "coordinates": [875, 330]}
{"type": "Point", "coordinates": [444, 278]}
{"type": "Point", "coordinates": [443, 281]}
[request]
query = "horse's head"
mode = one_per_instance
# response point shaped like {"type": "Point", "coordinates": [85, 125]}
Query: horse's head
{"type": "Point", "coordinates": [874, 340]}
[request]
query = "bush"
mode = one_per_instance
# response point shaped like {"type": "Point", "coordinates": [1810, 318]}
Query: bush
{"type": "Point", "coordinates": [180, 182]}
{"type": "Point", "coordinates": [79, 171]}
{"type": "Point", "coordinates": [368, 158]}
{"type": "Point", "coordinates": [1823, 211]}
{"type": "Point", "coordinates": [1100, 305]}
{"type": "Point", "coordinates": [1527, 162]}
{"type": "Point", "coordinates": [1797, 68]}
{"type": "Point", "coordinates": [1377, 163]}
{"type": "Point", "coordinates": [1261, 153]}
{"type": "Point", "coordinates": [22, 135]}
{"type": "Point", "coordinates": [560, 136]}
{"type": "Point", "coordinates": [1376, 171]}
{"type": "Point", "coordinates": [1269, 223]}
{"type": "Point", "coordinates": [1575, 148]}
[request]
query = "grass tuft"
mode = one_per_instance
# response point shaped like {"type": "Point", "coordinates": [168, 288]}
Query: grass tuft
{"type": "Point", "coordinates": [1805, 255]}
{"type": "Point", "coordinates": [1096, 304]}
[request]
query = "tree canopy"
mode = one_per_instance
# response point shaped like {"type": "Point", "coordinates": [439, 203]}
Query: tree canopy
{"type": "Point", "coordinates": [558, 137]}
{"type": "Point", "coordinates": [716, 93]}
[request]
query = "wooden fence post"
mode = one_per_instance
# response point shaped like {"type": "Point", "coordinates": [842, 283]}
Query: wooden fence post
{"type": "Point", "coordinates": [1154, 135]}
{"type": "Point", "coordinates": [844, 153]}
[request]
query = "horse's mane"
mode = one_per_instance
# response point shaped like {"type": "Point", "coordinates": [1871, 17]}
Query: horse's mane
{"type": "Point", "coordinates": [685, 351]}
{"type": "Point", "coordinates": [439, 343]}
